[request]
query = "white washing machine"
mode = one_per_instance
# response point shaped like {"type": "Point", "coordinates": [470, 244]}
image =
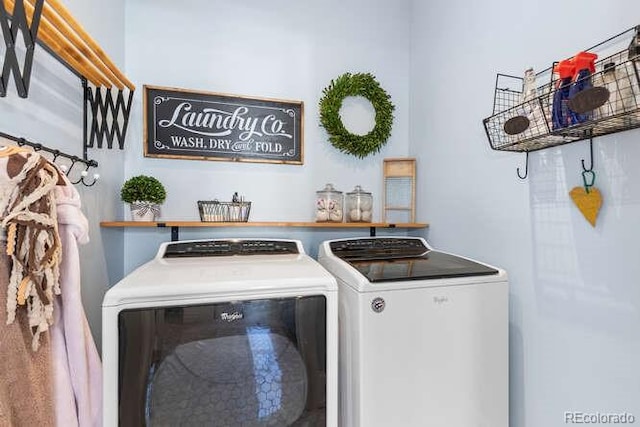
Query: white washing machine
{"type": "Point", "coordinates": [423, 335]}
{"type": "Point", "coordinates": [222, 333]}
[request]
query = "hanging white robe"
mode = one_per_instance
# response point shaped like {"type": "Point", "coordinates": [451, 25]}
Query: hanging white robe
{"type": "Point", "coordinates": [77, 365]}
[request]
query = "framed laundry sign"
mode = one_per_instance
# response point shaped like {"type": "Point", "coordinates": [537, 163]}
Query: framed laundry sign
{"type": "Point", "coordinates": [188, 124]}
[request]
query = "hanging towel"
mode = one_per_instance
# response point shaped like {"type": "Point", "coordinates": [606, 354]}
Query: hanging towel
{"type": "Point", "coordinates": [77, 366]}
{"type": "Point", "coordinates": [26, 380]}
{"type": "Point", "coordinates": [26, 383]}
{"type": "Point", "coordinates": [29, 218]}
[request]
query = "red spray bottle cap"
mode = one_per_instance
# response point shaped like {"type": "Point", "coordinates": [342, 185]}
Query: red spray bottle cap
{"type": "Point", "coordinates": [585, 60]}
{"type": "Point", "coordinates": [565, 68]}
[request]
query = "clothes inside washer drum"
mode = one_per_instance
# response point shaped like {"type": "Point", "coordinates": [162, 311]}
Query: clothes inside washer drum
{"type": "Point", "coordinates": [258, 379]}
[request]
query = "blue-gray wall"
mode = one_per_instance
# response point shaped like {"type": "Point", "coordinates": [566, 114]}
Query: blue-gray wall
{"type": "Point", "coordinates": [575, 299]}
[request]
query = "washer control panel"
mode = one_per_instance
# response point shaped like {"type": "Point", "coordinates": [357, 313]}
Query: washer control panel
{"type": "Point", "coordinates": [378, 248]}
{"type": "Point", "coordinates": [212, 248]}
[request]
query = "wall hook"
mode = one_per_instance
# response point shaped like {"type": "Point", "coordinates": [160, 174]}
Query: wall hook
{"type": "Point", "coordinates": [590, 168]}
{"type": "Point", "coordinates": [96, 177]}
{"type": "Point", "coordinates": [83, 176]}
{"type": "Point", "coordinates": [526, 168]}
{"type": "Point", "coordinates": [74, 160]}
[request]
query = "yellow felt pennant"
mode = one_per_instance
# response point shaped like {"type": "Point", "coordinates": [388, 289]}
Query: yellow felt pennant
{"type": "Point", "coordinates": [588, 203]}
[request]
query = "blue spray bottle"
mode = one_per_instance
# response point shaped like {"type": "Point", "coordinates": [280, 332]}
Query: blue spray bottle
{"type": "Point", "coordinates": [584, 63]}
{"type": "Point", "coordinates": [560, 110]}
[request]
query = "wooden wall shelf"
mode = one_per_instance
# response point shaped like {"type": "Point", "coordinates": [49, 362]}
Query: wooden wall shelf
{"type": "Point", "coordinates": [175, 225]}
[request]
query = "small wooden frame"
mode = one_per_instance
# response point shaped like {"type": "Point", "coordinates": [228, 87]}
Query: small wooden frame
{"type": "Point", "coordinates": [399, 200]}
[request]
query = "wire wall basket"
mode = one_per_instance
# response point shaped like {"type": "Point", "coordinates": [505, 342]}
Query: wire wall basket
{"type": "Point", "coordinates": [215, 211]}
{"type": "Point", "coordinates": [526, 119]}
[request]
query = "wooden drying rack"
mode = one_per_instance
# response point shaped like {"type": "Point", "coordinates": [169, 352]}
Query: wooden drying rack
{"type": "Point", "coordinates": [50, 24]}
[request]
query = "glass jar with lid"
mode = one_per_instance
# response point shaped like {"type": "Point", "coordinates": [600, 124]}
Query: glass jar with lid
{"type": "Point", "coordinates": [329, 205]}
{"type": "Point", "coordinates": [359, 205]}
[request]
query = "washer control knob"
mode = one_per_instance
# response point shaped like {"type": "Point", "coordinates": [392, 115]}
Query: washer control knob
{"type": "Point", "coordinates": [377, 305]}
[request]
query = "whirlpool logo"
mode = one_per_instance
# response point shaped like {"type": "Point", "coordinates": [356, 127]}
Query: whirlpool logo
{"type": "Point", "coordinates": [440, 300]}
{"type": "Point", "coordinates": [231, 317]}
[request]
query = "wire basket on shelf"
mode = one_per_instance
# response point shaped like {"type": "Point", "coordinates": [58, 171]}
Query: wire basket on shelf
{"type": "Point", "coordinates": [215, 211]}
{"type": "Point", "coordinates": [526, 121]}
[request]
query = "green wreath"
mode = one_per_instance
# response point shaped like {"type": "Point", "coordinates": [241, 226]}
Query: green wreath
{"type": "Point", "coordinates": [365, 85]}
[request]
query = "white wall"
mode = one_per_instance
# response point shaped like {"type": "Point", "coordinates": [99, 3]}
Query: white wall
{"type": "Point", "coordinates": [52, 115]}
{"type": "Point", "coordinates": [575, 300]}
{"type": "Point", "coordinates": [278, 49]}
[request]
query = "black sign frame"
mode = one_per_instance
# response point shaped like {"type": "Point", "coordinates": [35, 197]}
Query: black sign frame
{"type": "Point", "coordinates": [199, 125]}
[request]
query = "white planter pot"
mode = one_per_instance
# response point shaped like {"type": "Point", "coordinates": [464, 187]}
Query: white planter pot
{"type": "Point", "coordinates": [144, 211]}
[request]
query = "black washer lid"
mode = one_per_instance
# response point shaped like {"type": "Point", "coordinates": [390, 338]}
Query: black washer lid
{"type": "Point", "coordinates": [398, 259]}
{"type": "Point", "coordinates": [432, 265]}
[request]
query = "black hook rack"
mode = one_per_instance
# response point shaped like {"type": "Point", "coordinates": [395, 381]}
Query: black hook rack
{"type": "Point", "coordinates": [56, 154]}
{"type": "Point", "coordinates": [526, 168]}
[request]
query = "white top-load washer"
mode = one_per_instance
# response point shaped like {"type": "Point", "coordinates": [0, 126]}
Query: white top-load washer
{"type": "Point", "coordinates": [423, 335]}
{"type": "Point", "coordinates": [222, 333]}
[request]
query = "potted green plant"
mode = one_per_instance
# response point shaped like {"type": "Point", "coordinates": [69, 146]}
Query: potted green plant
{"type": "Point", "coordinates": [144, 194]}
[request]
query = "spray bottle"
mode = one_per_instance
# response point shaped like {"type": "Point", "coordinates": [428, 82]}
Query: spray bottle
{"type": "Point", "coordinates": [560, 110]}
{"type": "Point", "coordinates": [631, 91]}
{"type": "Point", "coordinates": [634, 46]}
{"type": "Point", "coordinates": [585, 66]}
{"type": "Point", "coordinates": [533, 109]}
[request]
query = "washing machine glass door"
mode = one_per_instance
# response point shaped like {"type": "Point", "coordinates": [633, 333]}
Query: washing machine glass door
{"type": "Point", "coordinates": [249, 363]}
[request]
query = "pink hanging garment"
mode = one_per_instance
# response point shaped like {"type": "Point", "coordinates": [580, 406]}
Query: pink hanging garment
{"type": "Point", "coordinates": [77, 365]}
